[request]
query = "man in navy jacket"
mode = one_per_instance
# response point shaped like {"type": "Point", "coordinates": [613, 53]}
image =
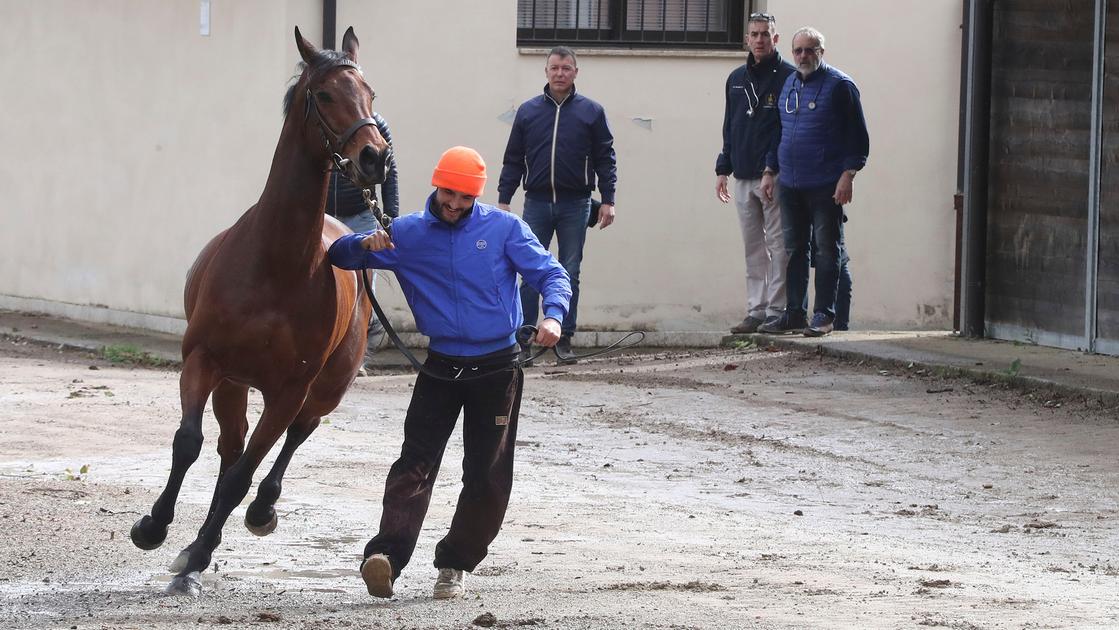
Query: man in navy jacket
{"type": "Point", "coordinates": [559, 143]}
{"type": "Point", "coordinates": [751, 129]}
{"type": "Point", "coordinates": [457, 263]}
{"type": "Point", "coordinates": [824, 143]}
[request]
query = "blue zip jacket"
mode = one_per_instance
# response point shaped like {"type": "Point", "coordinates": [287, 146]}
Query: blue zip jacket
{"type": "Point", "coordinates": [823, 130]}
{"type": "Point", "coordinates": [557, 149]}
{"type": "Point", "coordinates": [751, 127]}
{"type": "Point", "coordinates": [460, 279]}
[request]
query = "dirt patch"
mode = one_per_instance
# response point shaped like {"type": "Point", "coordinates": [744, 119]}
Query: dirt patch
{"type": "Point", "coordinates": [660, 491]}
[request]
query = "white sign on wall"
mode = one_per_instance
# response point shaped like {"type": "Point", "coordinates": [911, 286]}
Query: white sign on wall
{"type": "Point", "coordinates": [204, 18]}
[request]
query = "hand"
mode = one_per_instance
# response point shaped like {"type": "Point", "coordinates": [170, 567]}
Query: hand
{"type": "Point", "coordinates": [769, 182]}
{"type": "Point", "coordinates": [377, 240]}
{"type": "Point", "coordinates": [548, 333]}
{"type": "Point", "coordinates": [503, 206]}
{"type": "Point", "coordinates": [605, 216]}
{"type": "Point", "coordinates": [721, 189]}
{"type": "Point", "coordinates": [844, 190]}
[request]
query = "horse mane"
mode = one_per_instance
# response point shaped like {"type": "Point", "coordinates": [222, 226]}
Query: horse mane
{"type": "Point", "coordinates": [324, 60]}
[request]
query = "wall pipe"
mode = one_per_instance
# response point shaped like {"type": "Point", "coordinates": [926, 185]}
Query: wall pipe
{"type": "Point", "coordinates": [329, 23]}
{"type": "Point", "coordinates": [977, 134]}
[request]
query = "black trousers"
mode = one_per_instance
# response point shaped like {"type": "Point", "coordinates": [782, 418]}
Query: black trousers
{"type": "Point", "coordinates": [490, 405]}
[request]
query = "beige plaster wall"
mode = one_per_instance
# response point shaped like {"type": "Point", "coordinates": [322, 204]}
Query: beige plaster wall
{"type": "Point", "coordinates": [673, 260]}
{"type": "Point", "coordinates": [136, 139]}
{"type": "Point", "coordinates": [130, 139]}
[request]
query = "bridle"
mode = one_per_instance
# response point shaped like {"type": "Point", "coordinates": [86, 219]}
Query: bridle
{"type": "Point", "coordinates": [333, 141]}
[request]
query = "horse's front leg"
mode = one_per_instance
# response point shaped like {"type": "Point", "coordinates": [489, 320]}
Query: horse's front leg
{"type": "Point", "coordinates": [197, 381]}
{"type": "Point", "coordinates": [279, 412]}
{"type": "Point", "coordinates": [261, 518]}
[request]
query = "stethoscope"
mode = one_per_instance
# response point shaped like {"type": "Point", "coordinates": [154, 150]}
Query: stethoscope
{"type": "Point", "coordinates": [795, 92]}
{"type": "Point", "coordinates": [752, 98]}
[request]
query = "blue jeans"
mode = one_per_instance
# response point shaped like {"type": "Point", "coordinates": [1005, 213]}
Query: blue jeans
{"type": "Point", "coordinates": [843, 298]}
{"type": "Point", "coordinates": [567, 220]}
{"type": "Point", "coordinates": [806, 214]}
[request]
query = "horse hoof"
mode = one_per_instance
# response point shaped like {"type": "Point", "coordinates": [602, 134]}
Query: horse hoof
{"type": "Point", "coordinates": [265, 529]}
{"type": "Point", "coordinates": [142, 534]}
{"type": "Point", "coordinates": [187, 585]}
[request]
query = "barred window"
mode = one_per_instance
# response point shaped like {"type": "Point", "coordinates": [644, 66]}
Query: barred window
{"type": "Point", "coordinates": [633, 23]}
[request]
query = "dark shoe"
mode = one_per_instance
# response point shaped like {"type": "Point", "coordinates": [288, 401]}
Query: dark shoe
{"type": "Point", "coordinates": [377, 573]}
{"type": "Point", "coordinates": [820, 326]}
{"type": "Point", "coordinates": [748, 325]}
{"type": "Point", "coordinates": [783, 325]}
{"type": "Point", "coordinates": [525, 358]}
{"type": "Point", "coordinates": [563, 351]}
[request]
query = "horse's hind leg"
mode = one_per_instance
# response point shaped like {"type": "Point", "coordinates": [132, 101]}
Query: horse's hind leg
{"type": "Point", "coordinates": [195, 384]}
{"type": "Point", "coordinates": [279, 411]}
{"type": "Point", "coordinates": [260, 518]}
{"type": "Point", "coordinates": [230, 406]}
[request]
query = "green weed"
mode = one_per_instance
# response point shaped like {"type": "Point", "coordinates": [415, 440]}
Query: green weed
{"type": "Point", "coordinates": [131, 355]}
{"type": "Point", "coordinates": [1015, 367]}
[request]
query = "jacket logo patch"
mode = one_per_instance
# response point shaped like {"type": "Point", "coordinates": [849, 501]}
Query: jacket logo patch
{"type": "Point", "coordinates": [501, 421]}
{"type": "Point", "coordinates": [481, 244]}
{"type": "Point", "coordinates": [771, 99]}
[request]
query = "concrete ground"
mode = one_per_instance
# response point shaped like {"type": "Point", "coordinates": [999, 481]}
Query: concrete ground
{"type": "Point", "coordinates": [866, 480]}
{"type": "Point", "coordinates": [1091, 375]}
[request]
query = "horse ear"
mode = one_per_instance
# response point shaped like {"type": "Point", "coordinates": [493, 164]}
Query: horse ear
{"type": "Point", "coordinates": [350, 44]}
{"type": "Point", "coordinates": [307, 50]}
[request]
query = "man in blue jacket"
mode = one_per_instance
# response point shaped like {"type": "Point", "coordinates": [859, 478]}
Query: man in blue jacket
{"type": "Point", "coordinates": [457, 263]}
{"type": "Point", "coordinates": [824, 143]}
{"type": "Point", "coordinates": [559, 143]}
{"type": "Point", "coordinates": [751, 129]}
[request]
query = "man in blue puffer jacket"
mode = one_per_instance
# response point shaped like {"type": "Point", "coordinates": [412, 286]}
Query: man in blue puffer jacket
{"type": "Point", "coordinates": [559, 143]}
{"type": "Point", "coordinates": [824, 143]}
{"type": "Point", "coordinates": [457, 263]}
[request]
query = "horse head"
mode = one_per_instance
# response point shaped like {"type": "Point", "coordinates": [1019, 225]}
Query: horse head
{"type": "Point", "coordinates": [337, 106]}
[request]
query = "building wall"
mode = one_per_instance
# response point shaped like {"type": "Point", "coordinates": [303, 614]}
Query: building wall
{"type": "Point", "coordinates": [130, 140]}
{"type": "Point", "coordinates": [138, 139]}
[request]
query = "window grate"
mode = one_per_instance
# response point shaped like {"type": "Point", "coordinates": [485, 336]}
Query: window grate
{"type": "Point", "coordinates": [716, 24]}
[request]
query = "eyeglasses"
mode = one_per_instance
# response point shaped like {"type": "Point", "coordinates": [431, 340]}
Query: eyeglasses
{"type": "Point", "coordinates": [758, 17]}
{"type": "Point", "coordinates": [815, 50]}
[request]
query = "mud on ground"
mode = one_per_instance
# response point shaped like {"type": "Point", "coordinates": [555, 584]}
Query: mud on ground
{"type": "Point", "coordinates": [714, 489]}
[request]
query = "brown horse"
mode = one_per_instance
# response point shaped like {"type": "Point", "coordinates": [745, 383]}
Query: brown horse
{"type": "Point", "coordinates": [266, 309]}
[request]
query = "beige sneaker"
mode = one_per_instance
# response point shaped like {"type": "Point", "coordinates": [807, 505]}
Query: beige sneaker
{"type": "Point", "coordinates": [449, 584]}
{"type": "Point", "coordinates": [377, 573]}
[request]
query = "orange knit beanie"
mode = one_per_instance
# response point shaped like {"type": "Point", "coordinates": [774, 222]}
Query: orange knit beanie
{"type": "Point", "coordinates": [461, 169]}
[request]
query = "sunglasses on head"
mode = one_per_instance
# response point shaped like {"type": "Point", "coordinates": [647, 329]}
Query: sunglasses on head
{"type": "Point", "coordinates": [757, 17]}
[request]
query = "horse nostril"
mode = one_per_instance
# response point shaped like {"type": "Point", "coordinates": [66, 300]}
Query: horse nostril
{"type": "Point", "coordinates": [371, 160]}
